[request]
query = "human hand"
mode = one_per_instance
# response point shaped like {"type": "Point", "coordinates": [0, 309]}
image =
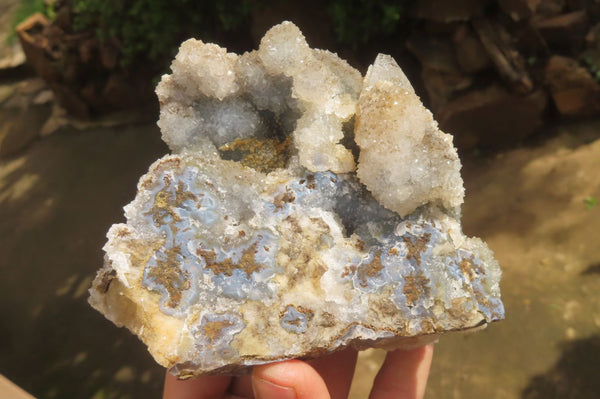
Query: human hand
{"type": "Point", "coordinates": [403, 375]}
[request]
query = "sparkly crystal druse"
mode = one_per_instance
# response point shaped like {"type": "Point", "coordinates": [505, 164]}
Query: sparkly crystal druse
{"type": "Point", "coordinates": [304, 209]}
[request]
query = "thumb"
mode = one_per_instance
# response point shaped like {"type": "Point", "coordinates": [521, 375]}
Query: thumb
{"type": "Point", "coordinates": [292, 379]}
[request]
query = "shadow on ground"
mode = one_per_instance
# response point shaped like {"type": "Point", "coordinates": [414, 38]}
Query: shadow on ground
{"type": "Point", "coordinates": [57, 201]}
{"type": "Point", "coordinates": [575, 375]}
{"type": "Point", "coordinates": [594, 268]}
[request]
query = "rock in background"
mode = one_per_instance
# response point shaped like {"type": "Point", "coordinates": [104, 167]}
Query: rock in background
{"type": "Point", "coordinates": [493, 73]}
{"type": "Point", "coordinates": [83, 71]}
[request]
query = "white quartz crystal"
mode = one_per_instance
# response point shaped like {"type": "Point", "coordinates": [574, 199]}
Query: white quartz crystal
{"type": "Point", "coordinates": [304, 209]}
{"type": "Point", "coordinates": [405, 160]}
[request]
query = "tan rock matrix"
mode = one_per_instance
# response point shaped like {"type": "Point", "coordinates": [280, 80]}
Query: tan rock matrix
{"type": "Point", "coordinates": [304, 209]}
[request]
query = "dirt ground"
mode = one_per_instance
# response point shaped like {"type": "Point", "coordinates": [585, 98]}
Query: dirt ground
{"type": "Point", "coordinates": [58, 198]}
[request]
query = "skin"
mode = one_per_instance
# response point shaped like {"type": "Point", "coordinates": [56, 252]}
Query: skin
{"type": "Point", "coordinates": [403, 375]}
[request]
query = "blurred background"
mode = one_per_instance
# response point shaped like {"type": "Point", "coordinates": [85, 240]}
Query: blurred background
{"type": "Point", "coordinates": [517, 82]}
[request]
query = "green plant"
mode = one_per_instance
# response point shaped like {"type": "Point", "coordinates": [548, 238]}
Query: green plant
{"type": "Point", "coordinates": [147, 30]}
{"type": "Point", "coordinates": [150, 29]}
{"type": "Point", "coordinates": [27, 8]}
{"type": "Point", "coordinates": [590, 202]}
{"type": "Point", "coordinates": [355, 22]}
{"type": "Point", "coordinates": [592, 67]}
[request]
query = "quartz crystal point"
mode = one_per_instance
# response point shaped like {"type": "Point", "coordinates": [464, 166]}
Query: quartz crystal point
{"type": "Point", "coordinates": [304, 209]}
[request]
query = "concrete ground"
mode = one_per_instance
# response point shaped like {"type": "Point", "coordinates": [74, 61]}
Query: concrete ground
{"type": "Point", "coordinates": [60, 195]}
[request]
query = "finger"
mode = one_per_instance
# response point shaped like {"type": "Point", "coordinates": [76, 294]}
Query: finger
{"type": "Point", "coordinates": [403, 374]}
{"type": "Point", "coordinates": [203, 387]}
{"type": "Point", "coordinates": [242, 386]}
{"type": "Point", "coordinates": [337, 371]}
{"type": "Point", "coordinates": [292, 379]}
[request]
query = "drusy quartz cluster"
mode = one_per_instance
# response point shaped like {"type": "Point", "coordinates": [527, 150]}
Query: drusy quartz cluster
{"type": "Point", "coordinates": [304, 208]}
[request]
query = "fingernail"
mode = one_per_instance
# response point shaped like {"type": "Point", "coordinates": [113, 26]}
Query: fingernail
{"type": "Point", "coordinates": [264, 389]}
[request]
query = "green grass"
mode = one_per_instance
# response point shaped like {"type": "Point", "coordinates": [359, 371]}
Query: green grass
{"type": "Point", "coordinates": [590, 202]}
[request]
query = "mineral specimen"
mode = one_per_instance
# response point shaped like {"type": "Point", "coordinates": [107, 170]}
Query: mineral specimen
{"type": "Point", "coordinates": [304, 209]}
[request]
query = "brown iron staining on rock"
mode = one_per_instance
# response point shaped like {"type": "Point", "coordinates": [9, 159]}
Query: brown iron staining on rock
{"type": "Point", "coordinates": [264, 155]}
{"type": "Point", "coordinates": [286, 197]}
{"type": "Point", "coordinates": [165, 203]}
{"type": "Point", "coordinates": [415, 286]}
{"type": "Point", "coordinates": [105, 277]}
{"type": "Point", "coordinates": [303, 268]}
{"type": "Point", "coordinates": [349, 270]}
{"type": "Point", "coordinates": [306, 312]}
{"type": "Point", "coordinates": [214, 329]}
{"type": "Point", "coordinates": [469, 268]}
{"type": "Point", "coordinates": [355, 324]}
{"type": "Point", "coordinates": [148, 181]}
{"type": "Point", "coordinates": [483, 300]}
{"type": "Point", "coordinates": [327, 320]}
{"type": "Point", "coordinates": [167, 273]}
{"type": "Point", "coordinates": [309, 181]}
{"type": "Point", "coordinates": [305, 236]}
{"type": "Point", "coordinates": [247, 262]}
{"type": "Point", "coordinates": [369, 270]}
{"type": "Point", "coordinates": [384, 306]}
{"type": "Point", "coordinates": [168, 163]}
{"type": "Point", "coordinates": [317, 269]}
{"type": "Point", "coordinates": [140, 252]}
{"type": "Point", "coordinates": [324, 240]}
{"type": "Point", "coordinates": [415, 246]}
{"type": "Point", "coordinates": [295, 322]}
{"type": "Point", "coordinates": [428, 327]}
